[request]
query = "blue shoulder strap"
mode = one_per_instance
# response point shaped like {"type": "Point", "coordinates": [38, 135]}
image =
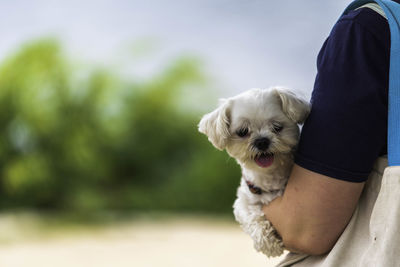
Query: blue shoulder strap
{"type": "Point", "coordinates": [392, 12]}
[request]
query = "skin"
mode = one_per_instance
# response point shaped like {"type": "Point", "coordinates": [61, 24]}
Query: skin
{"type": "Point", "coordinates": [313, 211]}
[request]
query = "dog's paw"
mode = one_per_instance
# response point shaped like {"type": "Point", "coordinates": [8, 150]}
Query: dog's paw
{"type": "Point", "coordinates": [267, 240]}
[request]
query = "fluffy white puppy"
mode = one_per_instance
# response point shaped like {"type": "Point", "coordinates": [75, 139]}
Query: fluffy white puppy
{"type": "Point", "coordinates": [259, 128]}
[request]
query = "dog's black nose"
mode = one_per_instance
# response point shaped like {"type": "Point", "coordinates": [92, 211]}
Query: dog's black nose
{"type": "Point", "coordinates": [262, 143]}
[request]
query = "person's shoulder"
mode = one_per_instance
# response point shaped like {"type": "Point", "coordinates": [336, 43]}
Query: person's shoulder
{"type": "Point", "coordinates": [365, 19]}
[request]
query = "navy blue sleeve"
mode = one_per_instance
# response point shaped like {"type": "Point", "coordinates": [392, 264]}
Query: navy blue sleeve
{"type": "Point", "coordinates": [347, 127]}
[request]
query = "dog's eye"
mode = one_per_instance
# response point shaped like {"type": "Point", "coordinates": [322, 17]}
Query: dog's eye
{"type": "Point", "coordinates": [242, 132]}
{"type": "Point", "coordinates": [277, 127]}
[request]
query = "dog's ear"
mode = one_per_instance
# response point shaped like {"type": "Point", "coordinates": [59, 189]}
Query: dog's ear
{"type": "Point", "coordinates": [294, 107]}
{"type": "Point", "coordinates": [216, 125]}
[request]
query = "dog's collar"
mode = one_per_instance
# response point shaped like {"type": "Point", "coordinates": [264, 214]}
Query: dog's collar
{"type": "Point", "coordinates": [254, 189]}
{"type": "Point", "coordinates": [257, 190]}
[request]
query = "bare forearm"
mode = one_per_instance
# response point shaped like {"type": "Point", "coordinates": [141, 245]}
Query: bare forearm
{"type": "Point", "coordinates": [294, 230]}
{"type": "Point", "coordinates": [313, 211]}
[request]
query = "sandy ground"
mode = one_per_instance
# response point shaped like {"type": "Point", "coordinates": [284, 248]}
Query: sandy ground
{"type": "Point", "coordinates": [175, 243]}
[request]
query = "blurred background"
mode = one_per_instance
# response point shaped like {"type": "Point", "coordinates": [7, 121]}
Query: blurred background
{"type": "Point", "coordinates": [101, 163]}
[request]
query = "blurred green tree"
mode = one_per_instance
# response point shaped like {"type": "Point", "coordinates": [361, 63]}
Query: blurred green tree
{"type": "Point", "coordinates": [98, 142]}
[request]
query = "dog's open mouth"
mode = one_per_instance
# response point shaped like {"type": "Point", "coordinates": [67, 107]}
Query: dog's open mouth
{"type": "Point", "coordinates": [264, 160]}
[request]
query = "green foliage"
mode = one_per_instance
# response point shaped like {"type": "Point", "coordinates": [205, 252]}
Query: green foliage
{"type": "Point", "coordinates": [94, 143]}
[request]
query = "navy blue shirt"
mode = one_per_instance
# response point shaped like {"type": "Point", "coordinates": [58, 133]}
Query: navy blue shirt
{"type": "Point", "coordinates": [346, 130]}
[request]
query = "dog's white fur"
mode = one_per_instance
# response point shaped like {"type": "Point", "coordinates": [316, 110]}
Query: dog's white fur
{"type": "Point", "coordinates": [266, 113]}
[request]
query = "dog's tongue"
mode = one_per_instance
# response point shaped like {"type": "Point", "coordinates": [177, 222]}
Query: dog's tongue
{"type": "Point", "coordinates": [264, 161]}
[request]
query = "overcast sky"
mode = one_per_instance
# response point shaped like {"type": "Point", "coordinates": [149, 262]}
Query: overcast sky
{"type": "Point", "coordinates": [244, 43]}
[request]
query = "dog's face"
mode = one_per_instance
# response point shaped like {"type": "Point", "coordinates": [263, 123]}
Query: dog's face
{"type": "Point", "coordinates": [256, 127]}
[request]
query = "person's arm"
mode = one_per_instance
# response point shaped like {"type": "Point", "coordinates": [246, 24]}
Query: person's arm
{"type": "Point", "coordinates": [313, 212]}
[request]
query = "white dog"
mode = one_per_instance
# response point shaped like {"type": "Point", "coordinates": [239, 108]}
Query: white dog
{"type": "Point", "coordinates": [259, 128]}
